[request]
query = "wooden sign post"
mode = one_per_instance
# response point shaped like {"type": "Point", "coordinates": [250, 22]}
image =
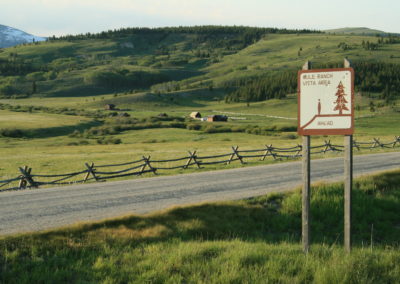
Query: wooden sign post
{"type": "Point", "coordinates": [326, 107]}
{"type": "Point", "coordinates": [348, 182]}
{"type": "Point", "coordinates": [305, 212]}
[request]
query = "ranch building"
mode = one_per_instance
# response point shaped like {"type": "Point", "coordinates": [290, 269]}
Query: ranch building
{"type": "Point", "coordinates": [195, 115]}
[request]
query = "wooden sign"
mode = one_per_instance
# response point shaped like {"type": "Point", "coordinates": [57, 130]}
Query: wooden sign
{"type": "Point", "coordinates": [326, 101]}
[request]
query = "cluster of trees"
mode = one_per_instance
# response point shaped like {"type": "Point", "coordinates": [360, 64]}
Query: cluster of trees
{"type": "Point", "coordinates": [248, 33]}
{"type": "Point", "coordinates": [123, 78]}
{"type": "Point", "coordinates": [367, 45]}
{"type": "Point", "coordinates": [15, 66]}
{"type": "Point", "coordinates": [262, 88]}
{"type": "Point", "coordinates": [381, 78]}
{"type": "Point", "coordinates": [391, 39]}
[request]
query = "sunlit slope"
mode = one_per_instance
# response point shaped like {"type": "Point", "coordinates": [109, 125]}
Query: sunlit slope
{"type": "Point", "coordinates": [356, 30]}
{"type": "Point", "coordinates": [277, 52]}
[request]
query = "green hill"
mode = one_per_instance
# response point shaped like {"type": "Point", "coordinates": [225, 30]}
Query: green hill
{"type": "Point", "coordinates": [171, 59]}
{"type": "Point", "coordinates": [356, 31]}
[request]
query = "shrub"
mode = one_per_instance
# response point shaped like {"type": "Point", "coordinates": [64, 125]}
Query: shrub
{"type": "Point", "coordinates": [12, 132]}
{"type": "Point", "coordinates": [287, 128]}
{"type": "Point", "coordinates": [109, 140]}
{"type": "Point", "coordinates": [216, 129]}
{"type": "Point", "coordinates": [193, 126]}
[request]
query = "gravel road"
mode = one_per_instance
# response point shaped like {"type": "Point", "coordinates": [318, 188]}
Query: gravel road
{"type": "Point", "coordinates": [39, 209]}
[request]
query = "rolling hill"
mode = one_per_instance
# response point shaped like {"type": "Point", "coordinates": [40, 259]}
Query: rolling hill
{"type": "Point", "coordinates": [162, 60]}
{"type": "Point", "coordinates": [356, 31]}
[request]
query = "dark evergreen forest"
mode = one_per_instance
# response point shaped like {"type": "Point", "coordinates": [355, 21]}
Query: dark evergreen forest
{"type": "Point", "coordinates": [381, 78]}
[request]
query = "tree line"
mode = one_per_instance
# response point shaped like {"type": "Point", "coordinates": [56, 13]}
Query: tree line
{"type": "Point", "coordinates": [370, 77]}
{"type": "Point", "coordinates": [208, 29]}
{"type": "Point", "coordinates": [271, 86]}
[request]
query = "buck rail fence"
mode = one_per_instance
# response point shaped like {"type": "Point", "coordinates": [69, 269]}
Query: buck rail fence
{"type": "Point", "coordinates": [27, 180]}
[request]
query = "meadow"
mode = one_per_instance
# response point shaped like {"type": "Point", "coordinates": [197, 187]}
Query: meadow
{"type": "Point", "coordinates": [57, 142]}
{"type": "Point", "coordinates": [257, 240]}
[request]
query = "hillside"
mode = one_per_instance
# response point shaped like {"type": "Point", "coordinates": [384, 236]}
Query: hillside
{"type": "Point", "coordinates": [356, 31]}
{"type": "Point", "coordinates": [171, 59]}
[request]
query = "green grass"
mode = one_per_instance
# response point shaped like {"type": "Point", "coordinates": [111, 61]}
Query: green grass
{"type": "Point", "coordinates": [248, 241]}
{"type": "Point", "coordinates": [47, 147]}
{"type": "Point", "coordinates": [24, 120]}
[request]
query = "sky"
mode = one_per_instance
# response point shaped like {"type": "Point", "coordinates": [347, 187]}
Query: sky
{"type": "Point", "coordinates": [61, 17]}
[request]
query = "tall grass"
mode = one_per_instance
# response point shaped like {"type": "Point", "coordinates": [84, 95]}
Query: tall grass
{"type": "Point", "coordinates": [249, 241]}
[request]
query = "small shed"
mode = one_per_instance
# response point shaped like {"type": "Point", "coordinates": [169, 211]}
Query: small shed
{"type": "Point", "coordinates": [195, 114]}
{"type": "Point", "coordinates": [217, 117]}
{"type": "Point", "coordinates": [109, 107]}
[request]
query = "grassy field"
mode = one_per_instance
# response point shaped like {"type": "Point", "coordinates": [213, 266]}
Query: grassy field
{"type": "Point", "coordinates": [249, 241]}
{"type": "Point", "coordinates": [48, 146]}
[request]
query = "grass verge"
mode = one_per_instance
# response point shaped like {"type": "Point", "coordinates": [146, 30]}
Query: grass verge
{"type": "Point", "coordinates": [248, 241]}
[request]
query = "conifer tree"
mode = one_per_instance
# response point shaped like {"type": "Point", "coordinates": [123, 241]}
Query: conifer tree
{"type": "Point", "coordinates": [340, 100]}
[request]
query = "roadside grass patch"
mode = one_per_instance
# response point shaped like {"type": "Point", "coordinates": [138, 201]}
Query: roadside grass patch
{"type": "Point", "coordinates": [247, 241]}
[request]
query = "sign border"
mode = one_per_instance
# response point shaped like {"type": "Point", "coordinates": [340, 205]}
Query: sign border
{"type": "Point", "coordinates": [337, 131]}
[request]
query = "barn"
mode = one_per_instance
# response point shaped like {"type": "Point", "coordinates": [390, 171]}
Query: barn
{"type": "Point", "coordinates": [217, 117]}
{"type": "Point", "coordinates": [195, 115]}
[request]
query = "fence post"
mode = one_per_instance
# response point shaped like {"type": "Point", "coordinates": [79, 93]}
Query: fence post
{"type": "Point", "coordinates": [22, 182]}
{"type": "Point", "coordinates": [377, 143]}
{"type": "Point", "coordinates": [300, 149]}
{"type": "Point", "coordinates": [91, 171]}
{"type": "Point", "coordinates": [268, 150]}
{"type": "Point", "coordinates": [327, 146]}
{"type": "Point", "coordinates": [356, 145]}
{"type": "Point", "coordinates": [192, 157]}
{"type": "Point", "coordinates": [235, 153]}
{"type": "Point", "coordinates": [147, 163]}
{"type": "Point", "coordinates": [27, 178]}
{"type": "Point", "coordinates": [396, 139]}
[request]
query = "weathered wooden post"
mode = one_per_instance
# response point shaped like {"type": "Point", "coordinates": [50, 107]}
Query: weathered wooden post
{"type": "Point", "coordinates": [90, 171]}
{"type": "Point", "coordinates": [305, 213]}
{"type": "Point", "coordinates": [26, 173]}
{"type": "Point", "coordinates": [348, 182]}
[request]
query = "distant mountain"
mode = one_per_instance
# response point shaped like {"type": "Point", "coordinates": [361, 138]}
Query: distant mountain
{"type": "Point", "coordinates": [356, 31]}
{"type": "Point", "coordinates": [11, 37]}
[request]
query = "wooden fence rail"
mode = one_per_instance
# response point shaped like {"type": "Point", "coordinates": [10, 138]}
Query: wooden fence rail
{"type": "Point", "coordinates": [93, 172]}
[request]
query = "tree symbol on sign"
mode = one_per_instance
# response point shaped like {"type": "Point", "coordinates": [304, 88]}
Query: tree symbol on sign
{"type": "Point", "coordinates": [341, 100]}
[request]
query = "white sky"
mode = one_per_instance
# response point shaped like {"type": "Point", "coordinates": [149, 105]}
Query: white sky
{"type": "Point", "coordinates": [60, 17]}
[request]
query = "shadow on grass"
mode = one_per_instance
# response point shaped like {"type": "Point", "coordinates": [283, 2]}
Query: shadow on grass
{"type": "Point", "coordinates": [274, 218]}
{"type": "Point", "coordinates": [58, 131]}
